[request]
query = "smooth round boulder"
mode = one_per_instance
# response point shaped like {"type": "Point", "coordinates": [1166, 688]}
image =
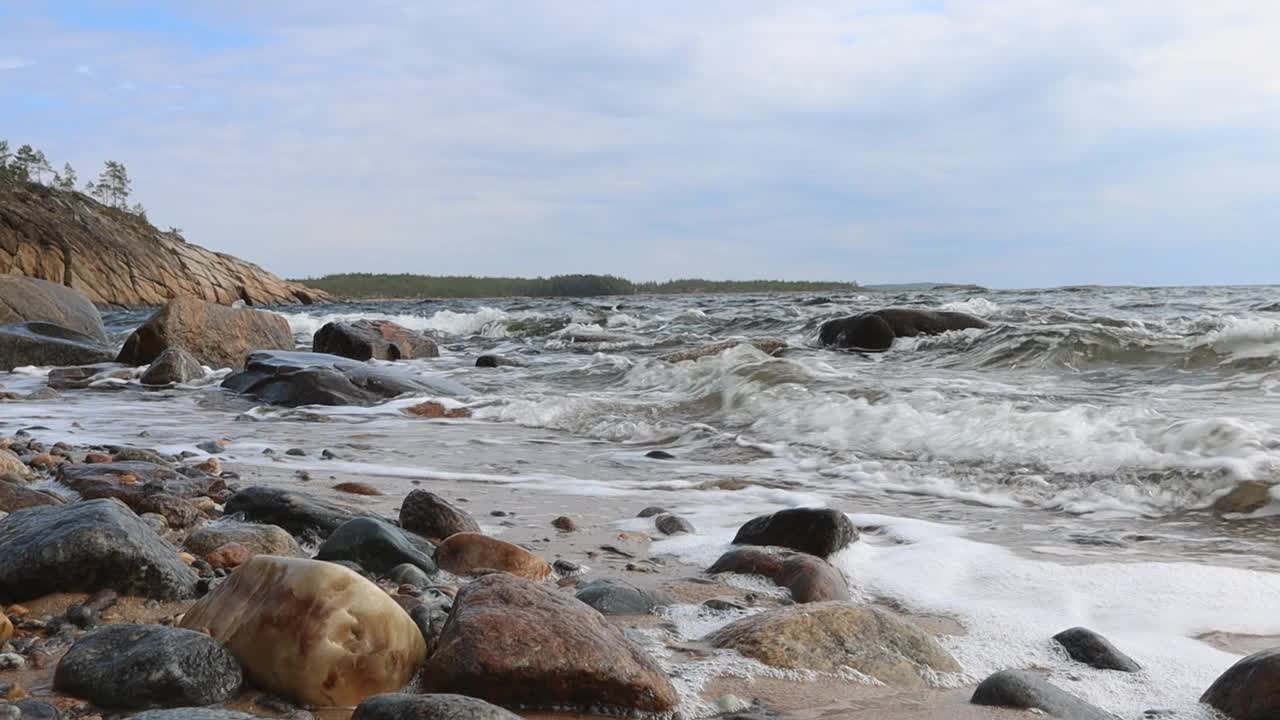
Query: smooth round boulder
{"type": "Point", "coordinates": [408, 574]}
{"type": "Point", "coordinates": [1027, 691]}
{"type": "Point", "coordinates": [25, 299]}
{"type": "Point", "coordinates": [143, 666]}
{"type": "Point", "coordinates": [1248, 690]}
{"type": "Point", "coordinates": [817, 531]}
{"type": "Point", "coordinates": [672, 525]}
{"type": "Point", "coordinates": [615, 596]}
{"type": "Point", "coordinates": [376, 546]}
{"type": "Point", "coordinates": [312, 632]}
{"type": "Point", "coordinates": [373, 340]}
{"type": "Point", "coordinates": [216, 335]}
{"type": "Point", "coordinates": [1088, 647]}
{"type": "Point", "coordinates": [471, 553]}
{"type": "Point", "coordinates": [257, 539]}
{"type": "Point", "coordinates": [174, 367]}
{"type": "Point", "coordinates": [442, 706]}
{"type": "Point", "coordinates": [433, 517]}
{"type": "Point", "coordinates": [809, 578]}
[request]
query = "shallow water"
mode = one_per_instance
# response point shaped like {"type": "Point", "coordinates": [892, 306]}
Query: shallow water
{"type": "Point", "coordinates": [1053, 470]}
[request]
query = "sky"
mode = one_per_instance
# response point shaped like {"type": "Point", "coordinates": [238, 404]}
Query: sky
{"type": "Point", "coordinates": [1011, 143]}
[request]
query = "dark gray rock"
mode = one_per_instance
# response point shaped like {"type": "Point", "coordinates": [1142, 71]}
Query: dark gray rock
{"type": "Point", "coordinates": [431, 516]}
{"type": "Point", "coordinates": [673, 524]}
{"type": "Point", "coordinates": [816, 531]}
{"type": "Point", "coordinates": [373, 340]}
{"type": "Point", "coordinates": [79, 377]}
{"type": "Point", "coordinates": [408, 574]}
{"type": "Point", "coordinates": [868, 333]}
{"type": "Point", "coordinates": [1027, 691]}
{"type": "Point", "coordinates": [88, 546]}
{"type": "Point", "coordinates": [193, 713]}
{"type": "Point", "coordinates": [145, 666]}
{"type": "Point", "coordinates": [1250, 689]}
{"type": "Point", "coordinates": [174, 365]}
{"type": "Point", "coordinates": [659, 455]}
{"type": "Point", "coordinates": [25, 299]}
{"type": "Point", "coordinates": [876, 330]}
{"type": "Point", "coordinates": [304, 516]}
{"type": "Point", "coordinates": [297, 378]}
{"type": "Point", "coordinates": [1088, 647]}
{"type": "Point", "coordinates": [375, 545]}
{"type": "Point", "coordinates": [493, 361]}
{"type": "Point", "coordinates": [31, 710]}
{"type": "Point", "coordinates": [614, 596]}
{"type": "Point", "coordinates": [41, 343]}
{"type": "Point", "coordinates": [397, 706]}
{"type": "Point", "coordinates": [651, 511]}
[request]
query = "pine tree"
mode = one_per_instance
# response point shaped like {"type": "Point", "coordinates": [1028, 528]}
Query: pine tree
{"type": "Point", "coordinates": [24, 161]}
{"type": "Point", "coordinates": [40, 165]}
{"type": "Point", "coordinates": [138, 210]}
{"type": "Point", "coordinates": [67, 180]}
{"type": "Point", "coordinates": [6, 172]}
{"type": "Point", "coordinates": [113, 186]}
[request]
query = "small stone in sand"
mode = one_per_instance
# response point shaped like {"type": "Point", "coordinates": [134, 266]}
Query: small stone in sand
{"type": "Point", "coordinates": [564, 523]}
{"type": "Point", "coordinates": [357, 488]}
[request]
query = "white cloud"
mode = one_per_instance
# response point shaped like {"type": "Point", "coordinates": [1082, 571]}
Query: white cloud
{"type": "Point", "coordinates": [14, 63]}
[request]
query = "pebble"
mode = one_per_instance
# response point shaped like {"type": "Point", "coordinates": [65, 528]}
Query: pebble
{"type": "Point", "coordinates": [498, 513]}
{"type": "Point", "coordinates": [82, 617]}
{"type": "Point", "coordinates": [296, 452]}
{"type": "Point", "coordinates": [659, 455]}
{"type": "Point", "coordinates": [564, 523]}
{"type": "Point", "coordinates": [327, 454]}
{"type": "Point", "coordinates": [566, 567]}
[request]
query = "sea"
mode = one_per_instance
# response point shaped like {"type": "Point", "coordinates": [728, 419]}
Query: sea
{"type": "Point", "coordinates": [1056, 469]}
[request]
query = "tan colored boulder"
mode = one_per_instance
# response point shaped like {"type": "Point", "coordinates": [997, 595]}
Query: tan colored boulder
{"type": "Point", "coordinates": [1246, 497]}
{"type": "Point", "coordinates": [217, 335]}
{"type": "Point", "coordinates": [313, 632]}
{"type": "Point", "coordinates": [828, 637]}
{"type": "Point", "coordinates": [471, 553]}
{"type": "Point", "coordinates": [11, 464]}
{"type": "Point", "coordinates": [257, 539]}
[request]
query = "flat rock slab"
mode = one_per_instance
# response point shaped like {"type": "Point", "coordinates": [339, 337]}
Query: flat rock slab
{"type": "Point", "coordinates": [143, 666]}
{"type": "Point", "coordinates": [293, 379]}
{"type": "Point", "coordinates": [768, 346]}
{"type": "Point", "coordinates": [443, 706]}
{"type": "Point", "coordinates": [86, 547]}
{"type": "Point", "coordinates": [1027, 691]}
{"type": "Point", "coordinates": [16, 497]}
{"type": "Point", "coordinates": [817, 531]}
{"type": "Point", "coordinates": [43, 344]}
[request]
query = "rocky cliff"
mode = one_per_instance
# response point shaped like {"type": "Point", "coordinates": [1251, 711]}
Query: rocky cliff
{"type": "Point", "coordinates": [118, 259]}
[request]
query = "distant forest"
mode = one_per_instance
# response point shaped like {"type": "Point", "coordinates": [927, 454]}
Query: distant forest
{"type": "Point", "coordinates": [370, 285]}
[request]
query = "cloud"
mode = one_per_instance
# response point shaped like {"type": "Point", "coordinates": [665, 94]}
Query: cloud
{"type": "Point", "coordinates": [14, 63]}
{"type": "Point", "coordinates": [1011, 142]}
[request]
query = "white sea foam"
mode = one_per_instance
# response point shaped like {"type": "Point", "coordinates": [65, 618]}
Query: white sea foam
{"type": "Point", "coordinates": [981, 307]}
{"type": "Point", "coordinates": [487, 321]}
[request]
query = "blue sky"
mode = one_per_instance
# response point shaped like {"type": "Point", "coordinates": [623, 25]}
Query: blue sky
{"type": "Point", "coordinates": [1012, 143]}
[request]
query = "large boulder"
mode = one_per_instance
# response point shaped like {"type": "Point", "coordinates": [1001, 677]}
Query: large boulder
{"type": "Point", "coordinates": [25, 299]}
{"type": "Point", "coordinates": [85, 547]}
{"type": "Point", "coordinates": [431, 516]}
{"type": "Point", "coordinates": [145, 487]}
{"type": "Point", "coordinates": [471, 553]}
{"type": "Point", "coordinates": [174, 366]}
{"type": "Point", "coordinates": [373, 340]}
{"type": "Point", "coordinates": [615, 596]}
{"type": "Point", "coordinates": [1248, 690]}
{"type": "Point", "coordinates": [519, 644]}
{"type": "Point", "coordinates": [876, 330]}
{"type": "Point", "coordinates": [257, 539]}
{"type": "Point", "coordinates": [1086, 646]}
{"type": "Point", "coordinates": [829, 636]}
{"type": "Point", "coordinates": [768, 346]}
{"type": "Point", "coordinates": [298, 378]}
{"type": "Point", "coordinates": [816, 531]}
{"type": "Point", "coordinates": [375, 545]}
{"type": "Point", "coordinates": [443, 706]}
{"type": "Point", "coordinates": [43, 344]}
{"type": "Point", "coordinates": [1027, 691]}
{"type": "Point", "coordinates": [143, 666]}
{"type": "Point", "coordinates": [307, 517]}
{"type": "Point", "coordinates": [217, 335]}
{"type": "Point", "coordinates": [809, 578]}
{"type": "Point", "coordinates": [313, 632]}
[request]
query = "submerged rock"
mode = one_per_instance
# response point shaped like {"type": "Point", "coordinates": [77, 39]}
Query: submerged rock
{"type": "Point", "coordinates": [373, 340]}
{"type": "Point", "coordinates": [310, 631]}
{"type": "Point", "coordinates": [1247, 497]}
{"type": "Point", "coordinates": [257, 539]}
{"type": "Point", "coordinates": [79, 377]}
{"type": "Point", "coordinates": [876, 330]}
{"type": "Point", "coordinates": [816, 531]}
{"type": "Point", "coordinates": [471, 553]}
{"type": "Point", "coordinates": [433, 517]}
{"type": "Point", "coordinates": [1088, 647]}
{"type": "Point", "coordinates": [85, 547]}
{"type": "Point", "coordinates": [28, 299]}
{"type": "Point", "coordinates": [516, 643]}
{"type": "Point", "coordinates": [175, 365]}
{"type": "Point", "coordinates": [768, 346]}
{"type": "Point", "coordinates": [829, 636]}
{"type": "Point", "coordinates": [298, 378]}
{"type": "Point", "coordinates": [1248, 690]}
{"type": "Point", "coordinates": [615, 596]}
{"type": "Point", "coordinates": [493, 361]}
{"type": "Point", "coordinates": [376, 546]}
{"type": "Point", "coordinates": [217, 335]}
{"type": "Point", "coordinates": [1027, 691]}
{"type": "Point", "coordinates": [809, 578]}
{"type": "Point", "coordinates": [673, 525]}
{"type": "Point", "coordinates": [397, 706]}
{"type": "Point", "coordinates": [142, 666]}
{"type": "Point", "coordinates": [41, 343]}
{"type": "Point", "coordinates": [304, 516]}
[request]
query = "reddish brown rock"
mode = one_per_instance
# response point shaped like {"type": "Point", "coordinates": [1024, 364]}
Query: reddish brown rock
{"type": "Point", "coordinates": [471, 553]}
{"type": "Point", "coordinates": [373, 340]}
{"type": "Point", "coordinates": [433, 409]}
{"type": "Point", "coordinates": [231, 555]}
{"type": "Point", "coordinates": [144, 487]}
{"type": "Point", "coordinates": [357, 488]}
{"type": "Point", "coordinates": [15, 497]}
{"type": "Point", "coordinates": [809, 578]}
{"type": "Point", "coordinates": [433, 517]}
{"type": "Point", "coordinates": [515, 643]}
{"type": "Point", "coordinates": [218, 336]}
{"type": "Point", "coordinates": [45, 461]}
{"type": "Point", "coordinates": [97, 458]}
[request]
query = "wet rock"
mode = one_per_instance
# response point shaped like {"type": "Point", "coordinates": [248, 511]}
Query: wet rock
{"type": "Point", "coordinates": [516, 643]}
{"type": "Point", "coordinates": [564, 523]}
{"type": "Point", "coordinates": [651, 511]}
{"type": "Point", "coordinates": [12, 466]}
{"type": "Point", "coordinates": [471, 553]}
{"type": "Point", "coordinates": [26, 299]}
{"type": "Point", "coordinates": [768, 346]}
{"type": "Point", "coordinates": [1027, 691]}
{"type": "Point", "coordinates": [673, 525]}
{"type": "Point", "coordinates": [809, 578]}
{"type": "Point", "coordinates": [83, 376]}
{"type": "Point", "coordinates": [431, 516]}
{"type": "Point", "coordinates": [216, 335]}
{"type": "Point", "coordinates": [31, 710]}
{"type": "Point", "coordinates": [145, 487]}
{"type": "Point", "coordinates": [614, 596]}
{"type": "Point", "coordinates": [141, 455]}
{"type": "Point", "coordinates": [16, 497]}
{"type": "Point", "coordinates": [302, 515]}
{"type": "Point", "coordinates": [257, 539]}
{"type": "Point", "coordinates": [433, 409]}
{"type": "Point", "coordinates": [876, 330]}
{"type": "Point", "coordinates": [357, 488]}
{"type": "Point", "coordinates": [408, 574]}
{"type": "Point", "coordinates": [41, 343]}
{"type": "Point", "coordinates": [85, 547]}
{"type": "Point", "coordinates": [373, 339]}
{"type": "Point", "coordinates": [312, 632]}
{"type": "Point", "coordinates": [141, 666]}
{"type": "Point", "coordinates": [173, 366]}
{"type": "Point", "coordinates": [567, 567]}
{"type": "Point", "coordinates": [816, 531]}
{"type": "Point", "coordinates": [723, 604]}
{"type": "Point", "coordinates": [293, 379]}
{"type": "Point", "coordinates": [659, 455]}
{"type": "Point", "coordinates": [375, 545]}
{"type": "Point", "coordinates": [429, 707]}
{"type": "Point", "coordinates": [493, 361]}
{"type": "Point", "coordinates": [228, 556]}
{"type": "Point", "coordinates": [6, 629]}
{"type": "Point", "coordinates": [1088, 647]}
{"type": "Point", "coordinates": [1246, 497]}
{"type": "Point", "coordinates": [828, 636]}
{"type": "Point", "coordinates": [193, 713]}
{"type": "Point", "coordinates": [1248, 690]}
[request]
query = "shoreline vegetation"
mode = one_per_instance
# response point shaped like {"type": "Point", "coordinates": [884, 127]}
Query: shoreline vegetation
{"type": "Point", "coordinates": [405, 285]}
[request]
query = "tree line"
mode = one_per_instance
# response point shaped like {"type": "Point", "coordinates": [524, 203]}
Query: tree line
{"type": "Point", "coordinates": [405, 285]}
{"type": "Point", "coordinates": [29, 165]}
